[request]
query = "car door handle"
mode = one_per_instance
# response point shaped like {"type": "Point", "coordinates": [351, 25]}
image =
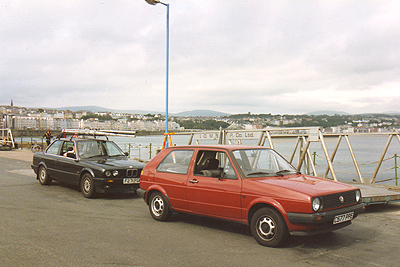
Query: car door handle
{"type": "Point", "coordinates": [193, 181]}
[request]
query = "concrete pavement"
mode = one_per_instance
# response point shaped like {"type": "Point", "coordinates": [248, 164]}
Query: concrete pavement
{"type": "Point", "coordinates": [56, 226]}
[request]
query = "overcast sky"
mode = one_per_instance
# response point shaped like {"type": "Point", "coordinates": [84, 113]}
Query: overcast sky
{"type": "Point", "coordinates": [259, 56]}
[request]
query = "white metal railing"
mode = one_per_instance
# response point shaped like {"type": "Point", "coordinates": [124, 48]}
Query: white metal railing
{"type": "Point", "coordinates": [304, 137]}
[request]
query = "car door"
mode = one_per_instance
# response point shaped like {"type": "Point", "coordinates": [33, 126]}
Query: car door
{"type": "Point", "coordinates": [172, 175]}
{"type": "Point", "coordinates": [214, 188]}
{"type": "Point", "coordinates": [51, 157]}
{"type": "Point", "coordinates": [68, 168]}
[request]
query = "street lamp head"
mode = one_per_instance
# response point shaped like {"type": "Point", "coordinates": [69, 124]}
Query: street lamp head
{"type": "Point", "coordinates": [153, 2]}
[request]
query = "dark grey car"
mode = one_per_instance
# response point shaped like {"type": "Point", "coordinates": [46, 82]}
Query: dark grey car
{"type": "Point", "coordinates": [94, 165]}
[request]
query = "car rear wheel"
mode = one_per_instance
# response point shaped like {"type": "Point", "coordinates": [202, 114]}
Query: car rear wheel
{"type": "Point", "coordinates": [44, 178]}
{"type": "Point", "coordinates": [158, 207]}
{"type": "Point", "coordinates": [268, 227]}
{"type": "Point", "coordinates": [87, 186]}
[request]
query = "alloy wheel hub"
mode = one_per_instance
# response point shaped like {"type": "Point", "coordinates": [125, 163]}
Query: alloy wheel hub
{"type": "Point", "coordinates": [158, 206]}
{"type": "Point", "coordinates": [266, 227]}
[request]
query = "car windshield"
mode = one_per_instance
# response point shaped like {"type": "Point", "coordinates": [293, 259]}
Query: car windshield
{"type": "Point", "coordinates": [262, 162]}
{"type": "Point", "coordinates": [96, 148]}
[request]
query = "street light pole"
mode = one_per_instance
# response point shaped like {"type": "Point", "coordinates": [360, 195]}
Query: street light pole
{"type": "Point", "coordinates": [154, 2]}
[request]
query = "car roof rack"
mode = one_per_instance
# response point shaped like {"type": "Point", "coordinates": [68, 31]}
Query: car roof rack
{"type": "Point", "coordinates": [76, 133]}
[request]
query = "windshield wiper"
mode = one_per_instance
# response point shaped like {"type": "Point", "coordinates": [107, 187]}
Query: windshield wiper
{"type": "Point", "coordinates": [259, 172]}
{"type": "Point", "coordinates": [92, 156]}
{"type": "Point", "coordinates": [283, 172]}
{"type": "Point", "coordinates": [119, 155]}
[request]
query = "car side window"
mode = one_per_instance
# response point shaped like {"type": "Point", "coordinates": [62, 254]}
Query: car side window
{"type": "Point", "coordinates": [214, 164]}
{"type": "Point", "coordinates": [68, 149]}
{"type": "Point", "coordinates": [227, 168]}
{"type": "Point", "coordinates": [177, 161]}
{"type": "Point", "coordinates": [89, 148]}
{"type": "Point", "coordinates": [54, 148]}
{"type": "Point", "coordinates": [67, 146]}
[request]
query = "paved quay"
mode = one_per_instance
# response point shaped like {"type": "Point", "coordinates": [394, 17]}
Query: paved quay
{"type": "Point", "coordinates": [56, 226]}
{"type": "Point", "coordinates": [18, 154]}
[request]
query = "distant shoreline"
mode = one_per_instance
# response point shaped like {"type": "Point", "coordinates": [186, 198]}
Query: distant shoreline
{"type": "Point", "coordinates": [40, 133]}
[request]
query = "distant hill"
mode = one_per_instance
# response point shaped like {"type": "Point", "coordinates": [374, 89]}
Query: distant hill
{"type": "Point", "coordinates": [201, 113]}
{"type": "Point", "coordinates": [85, 108]}
{"type": "Point", "coordinates": [193, 113]}
{"type": "Point", "coordinates": [392, 113]}
{"type": "Point", "coordinates": [327, 112]}
{"type": "Point", "coordinates": [102, 109]}
{"type": "Point", "coordinates": [332, 113]}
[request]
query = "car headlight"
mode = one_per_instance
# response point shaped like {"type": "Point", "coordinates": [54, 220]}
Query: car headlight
{"type": "Point", "coordinates": [358, 196]}
{"type": "Point", "coordinates": [115, 173]}
{"type": "Point", "coordinates": [108, 173]}
{"type": "Point", "coordinates": [316, 204]}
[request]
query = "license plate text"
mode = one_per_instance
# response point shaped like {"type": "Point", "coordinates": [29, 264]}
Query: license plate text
{"type": "Point", "coordinates": [131, 180]}
{"type": "Point", "coordinates": [343, 217]}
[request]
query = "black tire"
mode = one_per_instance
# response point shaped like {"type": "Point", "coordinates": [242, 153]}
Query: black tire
{"type": "Point", "coordinates": [268, 227]}
{"type": "Point", "coordinates": [87, 186]}
{"type": "Point", "coordinates": [43, 176]}
{"type": "Point", "coordinates": [158, 207]}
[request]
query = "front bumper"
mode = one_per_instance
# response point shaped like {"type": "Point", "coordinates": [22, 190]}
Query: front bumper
{"type": "Point", "coordinates": [322, 222]}
{"type": "Point", "coordinates": [116, 187]}
{"type": "Point", "coordinates": [323, 217]}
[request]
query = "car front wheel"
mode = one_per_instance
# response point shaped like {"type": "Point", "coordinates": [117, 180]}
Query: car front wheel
{"type": "Point", "coordinates": [158, 207]}
{"type": "Point", "coordinates": [268, 227]}
{"type": "Point", "coordinates": [87, 186]}
{"type": "Point", "coordinates": [44, 178]}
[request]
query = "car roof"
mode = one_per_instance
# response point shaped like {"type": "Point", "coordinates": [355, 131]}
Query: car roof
{"type": "Point", "coordinates": [81, 139]}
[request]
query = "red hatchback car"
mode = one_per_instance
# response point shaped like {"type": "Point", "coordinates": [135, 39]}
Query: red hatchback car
{"type": "Point", "coordinates": [248, 184]}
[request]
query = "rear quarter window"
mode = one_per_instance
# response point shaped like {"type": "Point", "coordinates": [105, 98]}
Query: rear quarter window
{"type": "Point", "coordinates": [54, 148]}
{"type": "Point", "coordinates": [176, 161]}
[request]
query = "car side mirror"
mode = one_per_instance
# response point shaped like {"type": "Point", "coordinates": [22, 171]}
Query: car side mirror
{"type": "Point", "coordinates": [126, 154]}
{"type": "Point", "coordinates": [217, 174]}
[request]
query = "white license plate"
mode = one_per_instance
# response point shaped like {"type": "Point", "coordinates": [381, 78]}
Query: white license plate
{"type": "Point", "coordinates": [131, 180]}
{"type": "Point", "coordinates": [343, 217]}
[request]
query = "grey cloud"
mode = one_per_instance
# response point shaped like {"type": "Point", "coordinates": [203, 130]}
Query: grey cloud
{"type": "Point", "coordinates": [250, 55]}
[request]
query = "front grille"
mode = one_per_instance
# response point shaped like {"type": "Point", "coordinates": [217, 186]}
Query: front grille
{"type": "Point", "coordinates": [132, 173]}
{"type": "Point", "coordinates": [333, 201]}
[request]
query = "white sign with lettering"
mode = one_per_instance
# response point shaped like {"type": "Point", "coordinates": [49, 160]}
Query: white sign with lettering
{"type": "Point", "coordinates": [243, 135]}
{"type": "Point", "coordinates": [206, 136]}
